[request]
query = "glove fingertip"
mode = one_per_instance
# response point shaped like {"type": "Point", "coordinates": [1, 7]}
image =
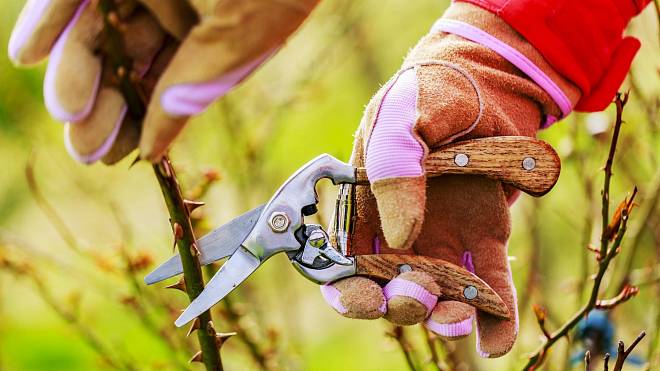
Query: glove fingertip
{"type": "Point", "coordinates": [401, 205]}
{"type": "Point", "coordinates": [20, 50]}
{"type": "Point", "coordinates": [91, 139]}
{"type": "Point", "coordinates": [158, 131]}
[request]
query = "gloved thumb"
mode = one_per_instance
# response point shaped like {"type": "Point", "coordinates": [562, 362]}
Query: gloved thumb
{"type": "Point", "coordinates": [393, 161]}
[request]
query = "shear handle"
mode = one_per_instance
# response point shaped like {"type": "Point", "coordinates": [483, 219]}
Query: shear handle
{"type": "Point", "coordinates": [456, 283]}
{"type": "Point", "coordinates": [528, 164]}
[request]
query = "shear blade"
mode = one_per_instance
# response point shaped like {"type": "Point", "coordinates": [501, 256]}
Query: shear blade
{"type": "Point", "coordinates": [218, 244]}
{"type": "Point", "coordinates": [235, 270]}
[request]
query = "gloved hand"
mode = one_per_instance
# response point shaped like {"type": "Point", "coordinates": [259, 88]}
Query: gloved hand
{"type": "Point", "coordinates": [448, 89]}
{"type": "Point", "coordinates": [192, 51]}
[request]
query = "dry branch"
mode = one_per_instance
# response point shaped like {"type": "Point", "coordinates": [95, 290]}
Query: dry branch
{"type": "Point", "coordinates": [610, 246]}
{"type": "Point", "coordinates": [89, 336]}
{"type": "Point", "coordinates": [623, 352]}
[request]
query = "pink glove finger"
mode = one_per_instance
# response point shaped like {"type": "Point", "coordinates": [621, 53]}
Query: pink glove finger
{"type": "Point", "coordinates": [61, 79]}
{"type": "Point", "coordinates": [38, 27]}
{"type": "Point", "coordinates": [402, 287]}
{"type": "Point", "coordinates": [332, 296]}
{"type": "Point", "coordinates": [87, 141]}
{"type": "Point", "coordinates": [191, 99]}
{"type": "Point", "coordinates": [450, 330]}
{"type": "Point", "coordinates": [453, 329]}
{"type": "Point", "coordinates": [355, 297]}
{"type": "Point", "coordinates": [393, 151]}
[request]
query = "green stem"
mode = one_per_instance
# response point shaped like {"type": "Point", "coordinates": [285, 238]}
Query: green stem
{"type": "Point", "coordinates": [192, 272]}
{"type": "Point", "coordinates": [179, 213]}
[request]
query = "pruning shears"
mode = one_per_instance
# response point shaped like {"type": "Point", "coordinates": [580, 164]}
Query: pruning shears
{"type": "Point", "coordinates": [278, 226]}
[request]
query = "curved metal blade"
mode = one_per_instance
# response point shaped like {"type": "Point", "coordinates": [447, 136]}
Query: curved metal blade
{"type": "Point", "coordinates": [218, 244]}
{"type": "Point", "coordinates": [235, 270]}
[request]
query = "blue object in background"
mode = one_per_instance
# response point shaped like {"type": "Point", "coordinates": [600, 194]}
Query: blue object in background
{"type": "Point", "coordinates": [596, 333]}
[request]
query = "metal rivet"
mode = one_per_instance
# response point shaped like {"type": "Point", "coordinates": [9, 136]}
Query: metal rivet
{"type": "Point", "coordinates": [403, 268]}
{"type": "Point", "coordinates": [529, 163]}
{"type": "Point", "coordinates": [470, 292]}
{"type": "Point", "coordinates": [278, 222]}
{"type": "Point", "coordinates": [461, 159]}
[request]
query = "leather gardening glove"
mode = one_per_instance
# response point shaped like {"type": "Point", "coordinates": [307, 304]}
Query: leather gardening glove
{"type": "Point", "coordinates": [188, 52]}
{"type": "Point", "coordinates": [448, 89]}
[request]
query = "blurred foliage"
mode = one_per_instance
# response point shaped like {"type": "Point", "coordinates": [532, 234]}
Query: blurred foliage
{"type": "Point", "coordinates": [307, 100]}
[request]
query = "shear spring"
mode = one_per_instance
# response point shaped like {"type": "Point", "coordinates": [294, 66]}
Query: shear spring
{"type": "Point", "coordinates": [343, 221]}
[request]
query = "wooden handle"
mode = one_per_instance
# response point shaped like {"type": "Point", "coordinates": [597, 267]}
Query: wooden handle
{"type": "Point", "coordinates": [455, 283]}
{"type": "Point", "coordinates": [528, 164]}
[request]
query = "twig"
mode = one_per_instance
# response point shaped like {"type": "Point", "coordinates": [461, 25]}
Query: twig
{"type": "Point", "coordinates": [620, 102]}
{"type": "Point", "coordinates": [397, 333]}
{"type": "Point", "coordinates": [70, 317]}
{"type": "Point", "coordinates": [607, 252]}
{"type": "Point", "coordinates": [626, 294]}
{"type": "Point", "coordinates": [623, 352]}
{"type": "Point", "coordinates": [606, 362]}
{"type": "Point", "coordinates": [534, 272]}
{"type": "Point", "coordinates": [430, 341]}
{"type": "Point", "coordinates": [179, 213]}
{"type": "Point", "coordinates": [652, 201]}
{"type": "Point", "coordinates": [55, 219]}
{"type": "Point", "coordinates": [541, 315]}
{"type": "Point", "coordinates": [587, 361]}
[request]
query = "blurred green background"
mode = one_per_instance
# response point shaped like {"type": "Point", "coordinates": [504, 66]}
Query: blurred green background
{"type": "Point", "coordinates": [306, 101]}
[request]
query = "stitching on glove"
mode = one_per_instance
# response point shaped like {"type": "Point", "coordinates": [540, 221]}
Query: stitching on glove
{"type": "Point", "coordinates": [476, 88]}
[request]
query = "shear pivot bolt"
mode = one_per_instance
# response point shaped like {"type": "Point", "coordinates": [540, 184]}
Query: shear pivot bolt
{"type": "Point", "coordinates": [461, 159]}
{"type": "Point", "coordinates": [470, 292]}
{"type": "Point", "coordinates": [529, 163]}
{"type": "Point", "coordinates": [279, 222]}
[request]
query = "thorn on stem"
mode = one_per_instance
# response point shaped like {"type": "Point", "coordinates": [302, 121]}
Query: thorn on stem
{"type": "Point", "coordinates": [221, 337]}
{"type": "Point", "coordinates": [193, 205]}
{"type": "Point", "coordinates": [135, 161]}
{"type": "Point", "coordinates": [194, 250]}
{"type": "Point", "coordinates": [197, 357]}
{"type": "Point", "coordinates": [210, 328]}
{"type": "Point", "coordinates": [178, 231]}
{"type": "Point", "coordinates": [195, 326]}
{"type": "Point", "coordinates": [179, 285]}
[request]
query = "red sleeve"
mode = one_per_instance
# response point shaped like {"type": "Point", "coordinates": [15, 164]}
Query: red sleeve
{"type": "Point", "coordinates": [582, 40]}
